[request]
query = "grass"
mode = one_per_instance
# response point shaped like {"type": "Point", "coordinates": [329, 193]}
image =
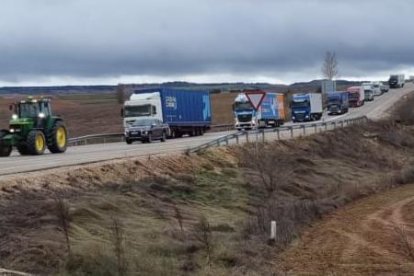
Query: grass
{"type": "Point", "coordinates": [203, 214]}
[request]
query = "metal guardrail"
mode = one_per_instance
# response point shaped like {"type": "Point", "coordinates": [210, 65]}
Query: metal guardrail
{"type": "Point", "coordinates": [119, 137]}
{"type": "Point", "coordinates": [250, 136]}
{"type": "Point", "coordinates": [96, 139]}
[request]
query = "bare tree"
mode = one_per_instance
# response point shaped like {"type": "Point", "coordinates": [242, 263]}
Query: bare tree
{"type": "Point", "coordinates": [120, 93]}
{"type": "Point", "coordinates": [330, 66]}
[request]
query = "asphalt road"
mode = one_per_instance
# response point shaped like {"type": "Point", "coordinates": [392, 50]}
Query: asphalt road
{"type": "Point", "coordinates": [102, 152]}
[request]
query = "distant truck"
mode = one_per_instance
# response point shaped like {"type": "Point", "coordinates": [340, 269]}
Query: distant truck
{"type": "Point", "coordinates": [385, 87]}
{"type": "Point", "coordinates": [306, 107]}
{"type": "Point", "coordinates": [338, 102]}
{"type": "Point", "coordinates": [396, 81]}
{"type": "Point", "coordinates": [369, 93]}
{"type": "Point", "coordinates": [356, 96]}
{"type": "Point", "coordinates": [375, 87]}
{"type": "Point", "coordinates": [271, 113]}
{"type": "Point", "coordinates": [183, 111]}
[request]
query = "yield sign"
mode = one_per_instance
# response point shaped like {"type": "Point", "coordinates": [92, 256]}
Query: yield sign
{"type": "Point", "coordinates": [256, 98]}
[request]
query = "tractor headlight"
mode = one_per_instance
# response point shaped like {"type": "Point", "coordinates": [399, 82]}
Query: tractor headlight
{"type": "Point", "coordinates": [41, 115]}
{"type": "Point", "coordinates": [15, 117]}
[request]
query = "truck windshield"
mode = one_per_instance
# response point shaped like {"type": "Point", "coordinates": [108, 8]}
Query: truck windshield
{"type": "Point", "coordinates": [138, 110]}
{"type": "Point", "coordinates": [28, 110]}
{"type": "Point", "coordinates": [354, 96]}
{"type": "Point", "coordinates": [242, 106]}
{"type": "Point", "coordinates": [302, 104]}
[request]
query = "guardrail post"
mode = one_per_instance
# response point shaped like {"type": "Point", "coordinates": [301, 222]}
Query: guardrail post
{"type": "Point", "coordinates": [334, 124]}
{"type": "Point", "coordinates": [227, 140]}
{"type": "Point", "coordinates": [278, 134]}
{"type": "Point", "coordinates": [316, 128]}
{"type": "Point", "coordinates": [237, 139]}
{"type": "Point", "coordinates": [304, 130]}
{"type": "Point", "coordinates": [247, 136]}
{"type": "Point", "coordinates": [291, 132]}
{"type": "Point", "coordinates": [326, 126]}
{"type": "Point", "coordinates": [263, 136]}
{"type": "Point", "coordinates": [342, 124]}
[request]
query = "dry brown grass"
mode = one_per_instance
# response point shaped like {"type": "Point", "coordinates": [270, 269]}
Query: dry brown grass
{"type": "Point", "coordinates": [158, 203]}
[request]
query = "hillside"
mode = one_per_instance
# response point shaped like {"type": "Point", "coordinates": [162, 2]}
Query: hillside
{"type": "Point", "coordinates": [206, 214]}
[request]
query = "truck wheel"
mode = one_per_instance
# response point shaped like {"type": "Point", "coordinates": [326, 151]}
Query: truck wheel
{"type": "Point", "coordinates": [163, 137]}
{"type": "Point", "coordinates": [57, 140]}
{"type": "Point", "coordinates": [128, 141]}
{"type": "Point", "coordinates": [36, 142]}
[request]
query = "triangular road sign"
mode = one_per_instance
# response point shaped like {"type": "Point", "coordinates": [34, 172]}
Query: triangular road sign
{"type": "Point", "coordinates": [256, 98]}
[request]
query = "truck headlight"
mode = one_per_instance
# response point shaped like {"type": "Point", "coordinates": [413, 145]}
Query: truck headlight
{"type": "Point", "coordinates": [15, 117]}
{"type": "Point", "coordinates": [12, 130]}
{"type": "Point", "coordinates": [307, 116]}
{"type": "Point", "coordinates": [41, 115]}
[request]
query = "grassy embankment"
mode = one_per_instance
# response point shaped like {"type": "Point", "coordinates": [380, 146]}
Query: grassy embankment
{"type": "Point", "coordinates": [198, 215]}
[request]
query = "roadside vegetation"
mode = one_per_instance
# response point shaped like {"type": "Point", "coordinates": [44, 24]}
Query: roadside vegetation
{"type": "Point", "coordinates": [207, 214]}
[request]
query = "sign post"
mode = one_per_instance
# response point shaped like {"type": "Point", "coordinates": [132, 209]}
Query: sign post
{"type": "Point", "coordinates": [256, 98]}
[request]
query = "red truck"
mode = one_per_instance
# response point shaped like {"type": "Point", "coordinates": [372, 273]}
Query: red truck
{"type": "Point", "coordinates": [356, 96]}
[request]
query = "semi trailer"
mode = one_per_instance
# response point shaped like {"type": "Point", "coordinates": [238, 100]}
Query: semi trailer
{"type": "Point", "coordinates": [271, 113]}
{"type": "Point", "coordinates": [356, 96]}
{"type": "Point", "coordinates": [180, 111]}
{"type": "Point", "coordinates": [338, 102]}
{"type": "Point", "coordinates": [306, 107]}
{"type": "Point", "coordinates": [396, 81]}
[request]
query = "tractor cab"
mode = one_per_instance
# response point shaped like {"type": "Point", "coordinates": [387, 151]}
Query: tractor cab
{"type": "Point", "coordinates": [30, 113]}
{"type": "Point", "coordinates": [32, 108]}
{"type": "Point", "coordinates": [33, 128]}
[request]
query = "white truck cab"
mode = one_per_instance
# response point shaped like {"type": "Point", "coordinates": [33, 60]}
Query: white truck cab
{"type": "Point", "coordinates": [142, 106]}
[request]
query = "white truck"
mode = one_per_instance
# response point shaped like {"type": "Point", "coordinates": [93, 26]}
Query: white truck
{"type": "Point", "coordinates": [396, 81]}
{"type": "Point", "coordinates": [375, 87]}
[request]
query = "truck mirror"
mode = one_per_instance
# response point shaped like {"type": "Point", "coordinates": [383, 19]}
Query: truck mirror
{"type": "Point", "coordinates": [11, 107]}
{"type": "Point", "coordinates": [122, 112]}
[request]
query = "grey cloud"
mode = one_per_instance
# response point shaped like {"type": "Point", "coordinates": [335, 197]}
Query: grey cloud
{"type": "Point", "coordinates": [108, 38]}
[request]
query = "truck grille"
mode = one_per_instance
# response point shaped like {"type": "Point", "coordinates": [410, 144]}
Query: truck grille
{"type": "Point", "coordinates": [244, 118]}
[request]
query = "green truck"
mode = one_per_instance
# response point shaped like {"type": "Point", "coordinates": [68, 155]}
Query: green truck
{"type": "Point", "coordinates": [33, 128]}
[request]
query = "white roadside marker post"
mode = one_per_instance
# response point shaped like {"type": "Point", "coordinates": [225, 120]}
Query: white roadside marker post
{"type": "Point", "coordinates": [273, 231]}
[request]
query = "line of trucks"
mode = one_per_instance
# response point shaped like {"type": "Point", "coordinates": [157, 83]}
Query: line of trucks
{"type": "Point", "coordinates": [171, 113]}
{"type": "Point", "coordinates": [158, 114]}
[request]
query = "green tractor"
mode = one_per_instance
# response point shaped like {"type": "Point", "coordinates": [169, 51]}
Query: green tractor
{"type": "Point", "coordinates": [33, 128]}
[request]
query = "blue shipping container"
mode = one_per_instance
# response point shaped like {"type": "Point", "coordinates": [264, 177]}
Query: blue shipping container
{"type": "Point", "coordinates": [182, 107]}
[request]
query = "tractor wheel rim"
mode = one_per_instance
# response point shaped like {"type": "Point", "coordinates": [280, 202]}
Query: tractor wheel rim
{"type": "Point", "coordinates": [40, 143]}
{"type": "Point", "coordinates": [61, 137]}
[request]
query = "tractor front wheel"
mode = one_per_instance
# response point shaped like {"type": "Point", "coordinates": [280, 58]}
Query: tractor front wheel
{"type": "Point", "coordinates": [22, 149]}
{"type": "Point", "coordinates": [36, 142]}
{"type": "Point", "coordinates": [5, 150]}
{"type": "Point", "coordinates": [58, 138]}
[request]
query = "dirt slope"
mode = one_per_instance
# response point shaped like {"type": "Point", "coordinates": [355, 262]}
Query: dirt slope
{"type": "Point", "coordinates": [374, 236]}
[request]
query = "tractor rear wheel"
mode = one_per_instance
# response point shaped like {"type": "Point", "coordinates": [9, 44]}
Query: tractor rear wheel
{"type": "Point", "coordinates": [36, 142]}
{"type": "Point", "coordinates": [57, 138]}
{"type": "Point", "coordinates": [5, 151]}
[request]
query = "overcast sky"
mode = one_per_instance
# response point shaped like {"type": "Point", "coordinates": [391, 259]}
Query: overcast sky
{"type": "Point", "coordinates": [45, 42]}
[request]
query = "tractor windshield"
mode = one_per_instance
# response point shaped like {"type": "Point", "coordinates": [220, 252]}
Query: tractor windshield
{"type": "Point", "coordinates": [28, 110]}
